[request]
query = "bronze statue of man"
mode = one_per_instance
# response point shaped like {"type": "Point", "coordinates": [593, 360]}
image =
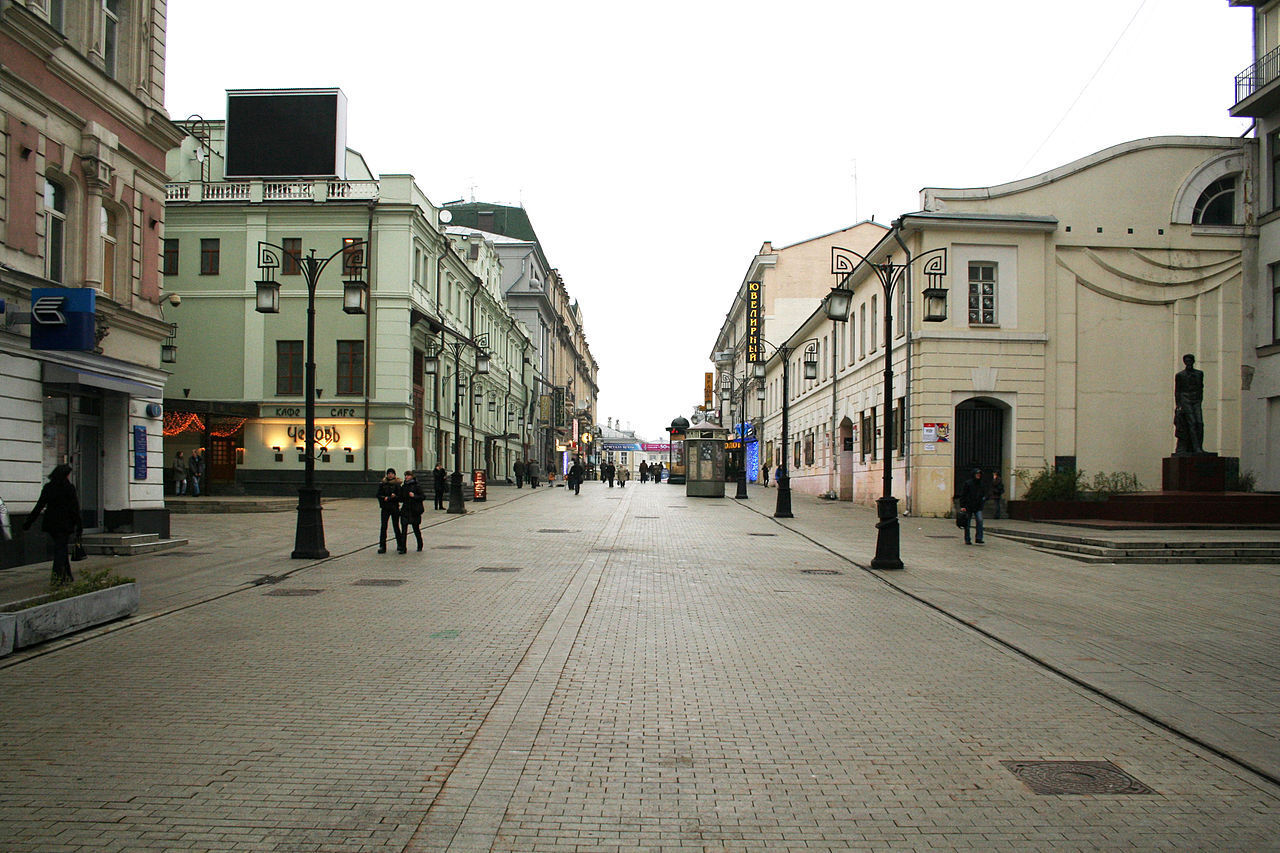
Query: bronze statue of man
{"type": "Point", "coordinates": [1188, 419]}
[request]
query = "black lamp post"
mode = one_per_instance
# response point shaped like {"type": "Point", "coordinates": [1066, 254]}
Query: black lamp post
{"type": "Point", "coordinates": [888, 552]}
{"type": "Point", "coordinates": [782, 509]}
{"type": "Point", "coordinates": [309, 537]}
{"type": "Point", "coordinates": [431, 364]}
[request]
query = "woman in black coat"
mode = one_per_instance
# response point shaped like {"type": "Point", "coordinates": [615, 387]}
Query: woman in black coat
{"type": "Point", "coordinates": [61, 510]}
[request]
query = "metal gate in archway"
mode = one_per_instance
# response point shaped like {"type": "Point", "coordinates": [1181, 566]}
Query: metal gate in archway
{"type": "Point", "coordinates": [979, 439]}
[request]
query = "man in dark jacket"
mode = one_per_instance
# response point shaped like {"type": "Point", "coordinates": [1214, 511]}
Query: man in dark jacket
{"type": "Point", "coordinates": [61, 508]}
{"type": "Point", "coordinates": [574, 479]}
{"type": "Point", "coordinates": [411, 507]}
{"type": "Point", "coordinates": [389, 502]}
{"type": "Point", "coordinates": [518, 470]}
{"type": "Point", "coordinates": [438, 475]}
{"type": "Point", "coordinates": [973, 494]}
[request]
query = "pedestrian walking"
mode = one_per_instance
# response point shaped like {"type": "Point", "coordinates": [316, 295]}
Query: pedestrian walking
{"type": "Point", "coordinates": [644, 471]}
{"type": "Point", "coordinates": [609, 472]}
{"type": "Point", "coordinates": [389, 502]}
{"type": "Point", "coordinates": [764, 474]}
{"type": "Point", "coordinates": [195, 472]}
{"type": "Point", "coordinates": [179, 472]}
{"type": "Point", "coordinates": [61, 508]}
{"type": "Point", "coordinates": [518, 470]}
{"type": "Point", "coordinates": [997, 494]}
{"type": "Point", "coordinates": [412, 504]}
{"type": "Point", "coordinates": [438, 476]}
{"type": "Point", "coordinates": [551, 476]}
{"type": "Point", "coordinates": [624, 474]}
{"type": "Point", "coordinates": [576, 473]}
{"type": "Point", "coordinates": [655, 471]}
{"type": "Point", "coordinates": [532, 470]}
{"type": "Point", "coordinates": [973, 494]}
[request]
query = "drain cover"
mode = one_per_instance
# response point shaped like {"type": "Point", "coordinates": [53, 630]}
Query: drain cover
{"type": "Point", "coordinates": [452, 547]}
{"type": "Point", "coordinates": [497, 569]}
{"type": "Point", "coordinates": [380, 582]}
{"type": "Point", "coordinates": [269, 579]}
{"type": "Point", "coordinates": [819, 572]}
{"type": "Point", "coordinates": [1075, 777]}
{"type": "Point", "coordinates": [295, 592]}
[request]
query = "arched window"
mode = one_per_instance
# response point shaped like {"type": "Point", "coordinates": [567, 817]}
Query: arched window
{"type": "Point", "coordinates": [1217, 204]}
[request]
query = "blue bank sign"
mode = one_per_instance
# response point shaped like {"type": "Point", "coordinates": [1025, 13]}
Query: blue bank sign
{"type": "Point", "coordinates": [62, 318]}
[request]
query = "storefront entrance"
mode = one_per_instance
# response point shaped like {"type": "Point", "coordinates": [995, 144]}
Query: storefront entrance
{"type": "Point", "coordinates": [86, 469]}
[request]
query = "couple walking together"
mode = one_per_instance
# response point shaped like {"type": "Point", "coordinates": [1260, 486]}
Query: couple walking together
{"type": "Point", "coordinates": [402, 503]}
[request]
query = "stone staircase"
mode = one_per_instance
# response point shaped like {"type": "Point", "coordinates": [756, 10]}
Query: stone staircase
{"type": "Point", "coordinates": [128, 544]}
{"type": "Point", "coordinates": [230, 504]}
{"type": "Point", "coordinates": [1188, 546]}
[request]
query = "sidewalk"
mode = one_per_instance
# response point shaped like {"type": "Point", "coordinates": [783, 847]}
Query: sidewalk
{"type": "Point", "coordinates": [1193, 647]}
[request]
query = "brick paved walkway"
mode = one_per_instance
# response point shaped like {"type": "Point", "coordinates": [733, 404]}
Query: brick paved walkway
{"type": "Point", "coordinates": [627, 669]}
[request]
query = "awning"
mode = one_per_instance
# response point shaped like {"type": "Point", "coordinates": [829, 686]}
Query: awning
{"type": "Point", "coordinates": [59, 375]}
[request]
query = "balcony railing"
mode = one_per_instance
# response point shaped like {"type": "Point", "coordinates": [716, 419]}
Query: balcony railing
{"type": "Point", "coordinates": [273, 191]}
{"type": "Point", "coordinates": [1258, 75]}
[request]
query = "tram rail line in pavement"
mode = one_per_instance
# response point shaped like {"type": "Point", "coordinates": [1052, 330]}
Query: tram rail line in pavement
{"type": "Point", "coordinates": [1242, 763]}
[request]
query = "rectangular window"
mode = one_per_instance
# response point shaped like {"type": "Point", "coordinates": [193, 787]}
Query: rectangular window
{"type": "Point", "coordinates": [982, 293]}
{"type": "Point", "coordinates": [169, 259]}
{"type": "Point", "coordinates": [808, 449]}
{"type": "Point", "coordinates": [289, 378]}
{"type": "Point", "coordinates": [351, 367]}
{"type": "Point", "coordinates": [1273, 142]}
{"type": "Point", "coordinates": [209, 252]}
{"type": "Point", "coordinates": [55, 229]}
{"type": "Point", "coordinates": [1275, 303]}
{"type": "Point", "coordinates": [795, 454]}
{"type": "Point", "coordinates": [899, 428]}
{"type": "Point", "coordinates": [56, 14]}
{"type": "Point", "coordinates": [108, 226]}
{"type": "Point", "coordinates": [874, 314]}
{"type": "Point", "coordinates": [864, 430]}
{"type": "Point", "coordinates": [862, 330]}
{"type": "Point", "coordinates": [110, 34]}
{"type": "Point", "coordinates": [289, 264]}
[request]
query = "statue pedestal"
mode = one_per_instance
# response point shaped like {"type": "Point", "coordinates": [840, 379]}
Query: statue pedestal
{"type": "Point", "coordinates": [1197, 472]}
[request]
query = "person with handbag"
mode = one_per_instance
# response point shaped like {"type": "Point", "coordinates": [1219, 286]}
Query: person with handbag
{"type": "Point", "coordinates": [412, 504]}
{"type": "Point", "coordinates": [61, 507]}
{"type": "Point", "coordinates": [973, 494]}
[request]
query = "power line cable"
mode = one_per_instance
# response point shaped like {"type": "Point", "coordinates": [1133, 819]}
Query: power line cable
{"type": "Point", "coordinates": [1086, 86]}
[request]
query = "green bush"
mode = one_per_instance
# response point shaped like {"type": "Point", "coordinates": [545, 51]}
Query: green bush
{"type": "Point", "coordinates": [89, 582]}
{"type": "Point", "coordinates": [1046, 484]}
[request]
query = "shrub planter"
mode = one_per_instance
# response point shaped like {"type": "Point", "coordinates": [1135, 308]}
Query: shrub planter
{"type": "Point", "coordinates": [35, 622]}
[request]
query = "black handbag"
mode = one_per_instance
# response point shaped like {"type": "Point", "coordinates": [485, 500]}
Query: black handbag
{"type": "Point", "coordinates": [78, 552]}
{"type": "Point", "coordinates": [962, 518]}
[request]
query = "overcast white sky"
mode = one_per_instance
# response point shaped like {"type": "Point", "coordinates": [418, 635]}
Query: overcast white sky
{"type": "Point", "coordinates": [657, 145]}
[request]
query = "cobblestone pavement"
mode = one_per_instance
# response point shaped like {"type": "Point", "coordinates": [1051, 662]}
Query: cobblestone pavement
{"type": "Point", "coordinates": [623, 670]}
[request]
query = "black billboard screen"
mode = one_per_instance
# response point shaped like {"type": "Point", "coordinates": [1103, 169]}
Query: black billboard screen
{"type": "Point", "coordinates": [286, 133]}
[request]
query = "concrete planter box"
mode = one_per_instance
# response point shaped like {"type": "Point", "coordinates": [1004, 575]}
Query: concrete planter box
{"type": "Point", "coordinates": [41, 622]}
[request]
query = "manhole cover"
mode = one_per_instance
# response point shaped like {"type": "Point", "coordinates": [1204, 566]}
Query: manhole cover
{"type": "Point", "coordinates": [497, 569]}
{"type": "Point", "coordinates": [452, 547]}
{"type": "Point", "coordinates": [1075, 777]}
{"type": "Point", "coordinates": [380, 582]}
{"type": "Point", "coordinates": [295, 592]}
{"type": "Point", "coordinates": [556, 530]}
{"type": "Point", "coordinates": [762, 534]}
{"type": "Point", "coordinates": [819, 572]}
{"type": "Point", "coordinates": [269, 579]}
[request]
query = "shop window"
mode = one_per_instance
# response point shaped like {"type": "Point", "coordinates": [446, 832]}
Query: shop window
{"type": "Point", "coordinates": [55, 230]}
{"type": "Point", "coordinates": [982, 293]}
{"type": "Point", "coordinates": [289, 264]}
{"type": "Point", "coordinates": [210, 250]}
{"type": "Point", "coordinates": [351, 367]}
{"type": "Point", "coordinates": [169, 260]}
{"type": "Point", "coordinates": [289, 376]}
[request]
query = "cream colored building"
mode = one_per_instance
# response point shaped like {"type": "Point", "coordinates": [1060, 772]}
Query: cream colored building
{"type": "Point", "coordinates": [1072, 297]}
{"type": "Point", "coordinates": [793, 281]}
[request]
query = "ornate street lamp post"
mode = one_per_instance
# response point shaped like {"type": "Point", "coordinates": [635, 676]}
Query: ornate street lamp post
{"type": "Point", "coordinates": [431, 364]}
{"type": "Point", "coordinates": [888, 552]}
{"type": "Point", "coordinates": [309, 536]}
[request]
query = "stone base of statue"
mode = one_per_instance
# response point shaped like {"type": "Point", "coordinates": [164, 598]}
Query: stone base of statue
{"type": "Point", "coordinates": [1198, 472]}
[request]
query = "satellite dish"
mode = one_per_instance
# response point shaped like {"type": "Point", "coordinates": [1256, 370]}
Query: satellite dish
{"type": "Point", "coordinates": [446, 216]}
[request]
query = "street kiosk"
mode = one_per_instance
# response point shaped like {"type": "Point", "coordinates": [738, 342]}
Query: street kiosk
{"type": "Point", "coordinates": [704, 461]}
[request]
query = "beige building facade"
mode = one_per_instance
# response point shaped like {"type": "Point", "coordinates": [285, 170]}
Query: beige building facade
{"type": "Point", "coordinates": [1072, 297]}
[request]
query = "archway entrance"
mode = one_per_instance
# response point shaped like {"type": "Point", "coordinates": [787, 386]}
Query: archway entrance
{"type": "Point", "coordinates": [846, 460]}
{"type": "Point", "coordinates": [979, 439]}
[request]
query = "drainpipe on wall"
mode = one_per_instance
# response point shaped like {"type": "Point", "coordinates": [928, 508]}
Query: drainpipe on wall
{"type": "Point", "coordinates": [368, 331]}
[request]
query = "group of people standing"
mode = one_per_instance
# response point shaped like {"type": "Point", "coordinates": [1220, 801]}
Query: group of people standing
{"type": "Point", "coordinates": [403, 503]}
{"type": "Point", "coordinates": [610, 472]}
{"type": "Point", "coordinates": [188, 473]}
{"type": "Point", "coordinates": [525, 469]}
{"type": "Point", "coordinates": [651, 472]}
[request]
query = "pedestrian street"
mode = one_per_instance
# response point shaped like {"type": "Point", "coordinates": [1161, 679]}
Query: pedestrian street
{"type": "Point", "coordinates": [626, 669]}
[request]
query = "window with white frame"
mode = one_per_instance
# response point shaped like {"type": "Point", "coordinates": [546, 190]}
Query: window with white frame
{"type": "Point", "coordinates": [982, 293]}
{"type": "Point", "coordinates": [109, 224]}
{"type": "Point", "coordinates": [55, 230]}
